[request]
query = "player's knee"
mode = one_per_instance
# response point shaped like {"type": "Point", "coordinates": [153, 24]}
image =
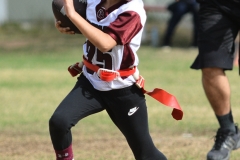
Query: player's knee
{"type": "Point", "coordinates": [212, 72]}
{"type": "Point", "coordinates": [58, 123]}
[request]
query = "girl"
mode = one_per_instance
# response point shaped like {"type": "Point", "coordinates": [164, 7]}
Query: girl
{"type": "Point", "coordinates": [113, 31]}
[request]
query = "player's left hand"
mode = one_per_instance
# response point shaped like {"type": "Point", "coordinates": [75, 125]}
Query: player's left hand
{"type": "Point", "coordinates": [65, 30]}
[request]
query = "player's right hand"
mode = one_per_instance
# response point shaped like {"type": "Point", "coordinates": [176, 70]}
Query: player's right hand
{"type": "Point", "coordinates": [65, 30]}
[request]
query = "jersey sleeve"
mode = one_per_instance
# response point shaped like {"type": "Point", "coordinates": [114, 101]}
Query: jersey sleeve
{"type": "Point", "coordinates": [125, 27]}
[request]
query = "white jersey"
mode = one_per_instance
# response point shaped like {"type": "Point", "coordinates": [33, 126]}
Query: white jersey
{"type": "Point", "coordinates": [124, 22]}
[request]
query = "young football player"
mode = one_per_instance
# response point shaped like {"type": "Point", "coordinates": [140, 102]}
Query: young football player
{"type": "Point", "coordinates": [113, 29]}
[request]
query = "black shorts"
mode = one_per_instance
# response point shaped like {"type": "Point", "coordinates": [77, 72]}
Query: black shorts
{"type": "Point", "coordinates": [218, 30]}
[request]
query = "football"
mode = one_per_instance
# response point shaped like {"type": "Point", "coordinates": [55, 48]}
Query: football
{"type": "Point", "coordinates": [59, 13]}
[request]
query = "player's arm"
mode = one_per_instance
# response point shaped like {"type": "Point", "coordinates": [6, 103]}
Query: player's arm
{"type": "Point", "coordinates": [104, 42]}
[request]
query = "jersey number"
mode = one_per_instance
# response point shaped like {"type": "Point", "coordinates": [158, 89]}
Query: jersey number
{"type": "Point", "coordinates": [103, 60]}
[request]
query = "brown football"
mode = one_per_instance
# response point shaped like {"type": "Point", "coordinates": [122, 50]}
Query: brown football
{"type": "Point", "coordinates": [59, 13]}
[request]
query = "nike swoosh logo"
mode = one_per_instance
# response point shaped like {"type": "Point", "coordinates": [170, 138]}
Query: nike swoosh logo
{"type": "Point", "coordinates": [132, 111]}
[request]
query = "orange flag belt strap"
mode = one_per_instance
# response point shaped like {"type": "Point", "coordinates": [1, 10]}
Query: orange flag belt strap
{"type": "Point", "coordinates": [158, 94]}
{"type": "Point", "coordinates": [106, 74]}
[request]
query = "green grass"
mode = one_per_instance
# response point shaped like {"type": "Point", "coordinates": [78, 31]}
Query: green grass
{"type": "Point", "coordinates": [34, 79]}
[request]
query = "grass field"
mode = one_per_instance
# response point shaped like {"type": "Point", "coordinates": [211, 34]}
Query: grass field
{"type": "Point", "coordinates": [34, 79]}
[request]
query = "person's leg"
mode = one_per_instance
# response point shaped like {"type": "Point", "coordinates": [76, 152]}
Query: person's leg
{"type": "Point", "coordinates": [217, 90]}
{"type": "Point", "coordinates": [216, 47]}
{"type": "Point", "coordinates": [180, 9]}
{"type": "Point", "coordinates": [128, 110]}
{"type": "Point", "coordinates": [216, 51]}
{"type": "Point", "coordinates": [79, 103]}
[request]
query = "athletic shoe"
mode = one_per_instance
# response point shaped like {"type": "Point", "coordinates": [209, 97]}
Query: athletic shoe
{"type": "Point", "coordinates": [225, 142]}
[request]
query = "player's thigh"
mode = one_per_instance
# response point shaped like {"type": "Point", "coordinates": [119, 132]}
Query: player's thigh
{"type": "Point", "coordinates": [133, 123]}
{"type": "Point", "coordinates": [82, 101]}
{"type": "Point", "coordinates": [129, 112]}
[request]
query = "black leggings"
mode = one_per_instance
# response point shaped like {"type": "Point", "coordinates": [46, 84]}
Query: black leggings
{"type": "Point", "coordinates": [84, 100]}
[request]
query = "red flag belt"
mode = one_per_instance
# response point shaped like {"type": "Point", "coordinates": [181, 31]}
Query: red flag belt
{"type": "Point", "coordinates": [108, 75]}
{"type": "Point", "coordinates": [158, 94]}
{"type": "Point", "coordinates": [167, 99]}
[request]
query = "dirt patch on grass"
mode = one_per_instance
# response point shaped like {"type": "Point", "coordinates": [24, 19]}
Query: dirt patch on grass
{"type": "Point", "coordinates": [34, 146]}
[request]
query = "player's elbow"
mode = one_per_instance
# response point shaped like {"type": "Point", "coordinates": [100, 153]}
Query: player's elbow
{"type": "Point", "coordinates": [105, 48]}
{"type": "Point", "coordinates": [107, 44]}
